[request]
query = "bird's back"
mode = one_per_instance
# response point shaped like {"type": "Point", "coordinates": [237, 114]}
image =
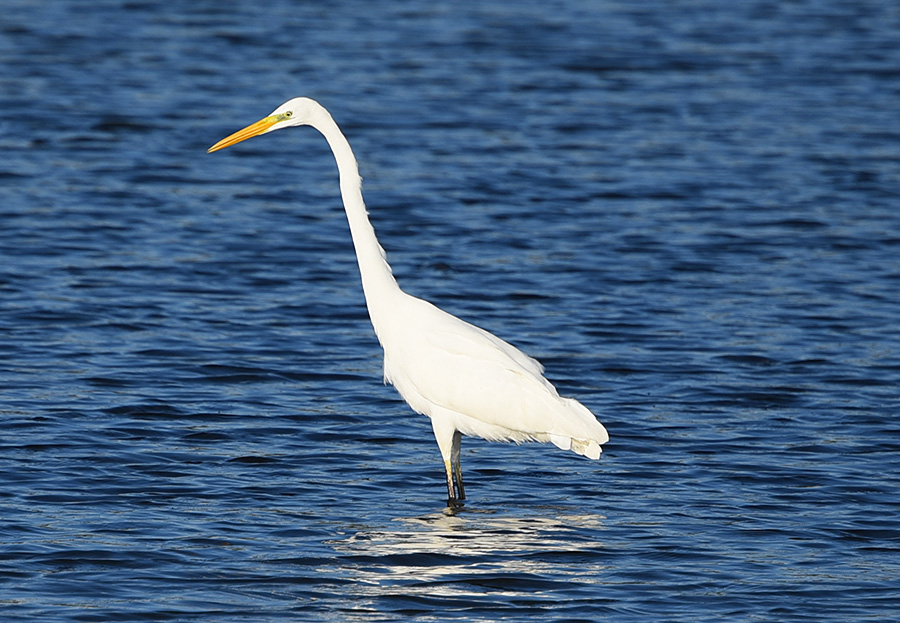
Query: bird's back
{"type": "Point", "coordinates": [445, 367]}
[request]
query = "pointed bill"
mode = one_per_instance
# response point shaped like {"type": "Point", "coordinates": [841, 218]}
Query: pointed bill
{"type": "Point", "coordinates": [250, 131]}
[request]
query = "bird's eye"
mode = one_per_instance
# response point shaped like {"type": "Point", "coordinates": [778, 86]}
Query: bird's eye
{"type": "Point", "coordinates": [289, 113]}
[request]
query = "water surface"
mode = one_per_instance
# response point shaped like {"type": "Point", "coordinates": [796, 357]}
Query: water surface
{"type": "Point", "coordinates": [687, 211]}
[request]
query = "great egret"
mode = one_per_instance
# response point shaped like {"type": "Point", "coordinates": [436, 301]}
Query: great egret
{"type": "Point", "coordinates": [468, 381]}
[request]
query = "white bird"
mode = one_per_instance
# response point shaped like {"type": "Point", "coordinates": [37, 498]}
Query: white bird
{"type": "Point", "coordinates": [468, 381]}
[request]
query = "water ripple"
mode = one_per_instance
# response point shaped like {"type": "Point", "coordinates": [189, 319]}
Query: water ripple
{"type": "Point", "coordinates": [688, 213]}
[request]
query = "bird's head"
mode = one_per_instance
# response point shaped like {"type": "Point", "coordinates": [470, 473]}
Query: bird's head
{"type": "Point", "coordinates": [298, 111]}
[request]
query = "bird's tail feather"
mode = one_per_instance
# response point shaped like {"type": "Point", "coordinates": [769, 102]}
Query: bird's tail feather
{"type": "Point", "coordinates": [592, 433]}
{"type": "Point", "coordinates": [585, 447]}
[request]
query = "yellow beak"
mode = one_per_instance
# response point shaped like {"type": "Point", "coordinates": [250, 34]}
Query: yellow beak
{"type": "Point", "coordinates": [250, 131]}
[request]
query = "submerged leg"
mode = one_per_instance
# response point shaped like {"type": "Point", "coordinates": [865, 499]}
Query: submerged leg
{"type": "Point", "coordinates": [457, 468]}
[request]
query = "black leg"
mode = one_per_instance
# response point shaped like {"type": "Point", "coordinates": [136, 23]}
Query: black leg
{"type": "Point", "coordinates": [457, 468]}
{"type": "Point", "coordinates": [452, 498]}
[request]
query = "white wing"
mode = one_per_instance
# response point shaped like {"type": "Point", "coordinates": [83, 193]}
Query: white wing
{"type": "Point", "coordinates": [442, 364]}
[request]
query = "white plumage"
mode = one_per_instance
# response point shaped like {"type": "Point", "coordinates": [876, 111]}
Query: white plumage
{"type": "Point", "coordinates": [468, 381]}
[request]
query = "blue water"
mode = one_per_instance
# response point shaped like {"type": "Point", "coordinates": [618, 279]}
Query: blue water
{"type": "Point", "coordinates": [689, 211]}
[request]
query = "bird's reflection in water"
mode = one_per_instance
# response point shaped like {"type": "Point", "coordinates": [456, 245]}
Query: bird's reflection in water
{"type": "Point", "coordinates": [471, 553]}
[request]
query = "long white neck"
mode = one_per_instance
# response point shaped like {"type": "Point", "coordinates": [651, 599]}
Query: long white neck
{"type": "Point", "coordinates": [378, 282]}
